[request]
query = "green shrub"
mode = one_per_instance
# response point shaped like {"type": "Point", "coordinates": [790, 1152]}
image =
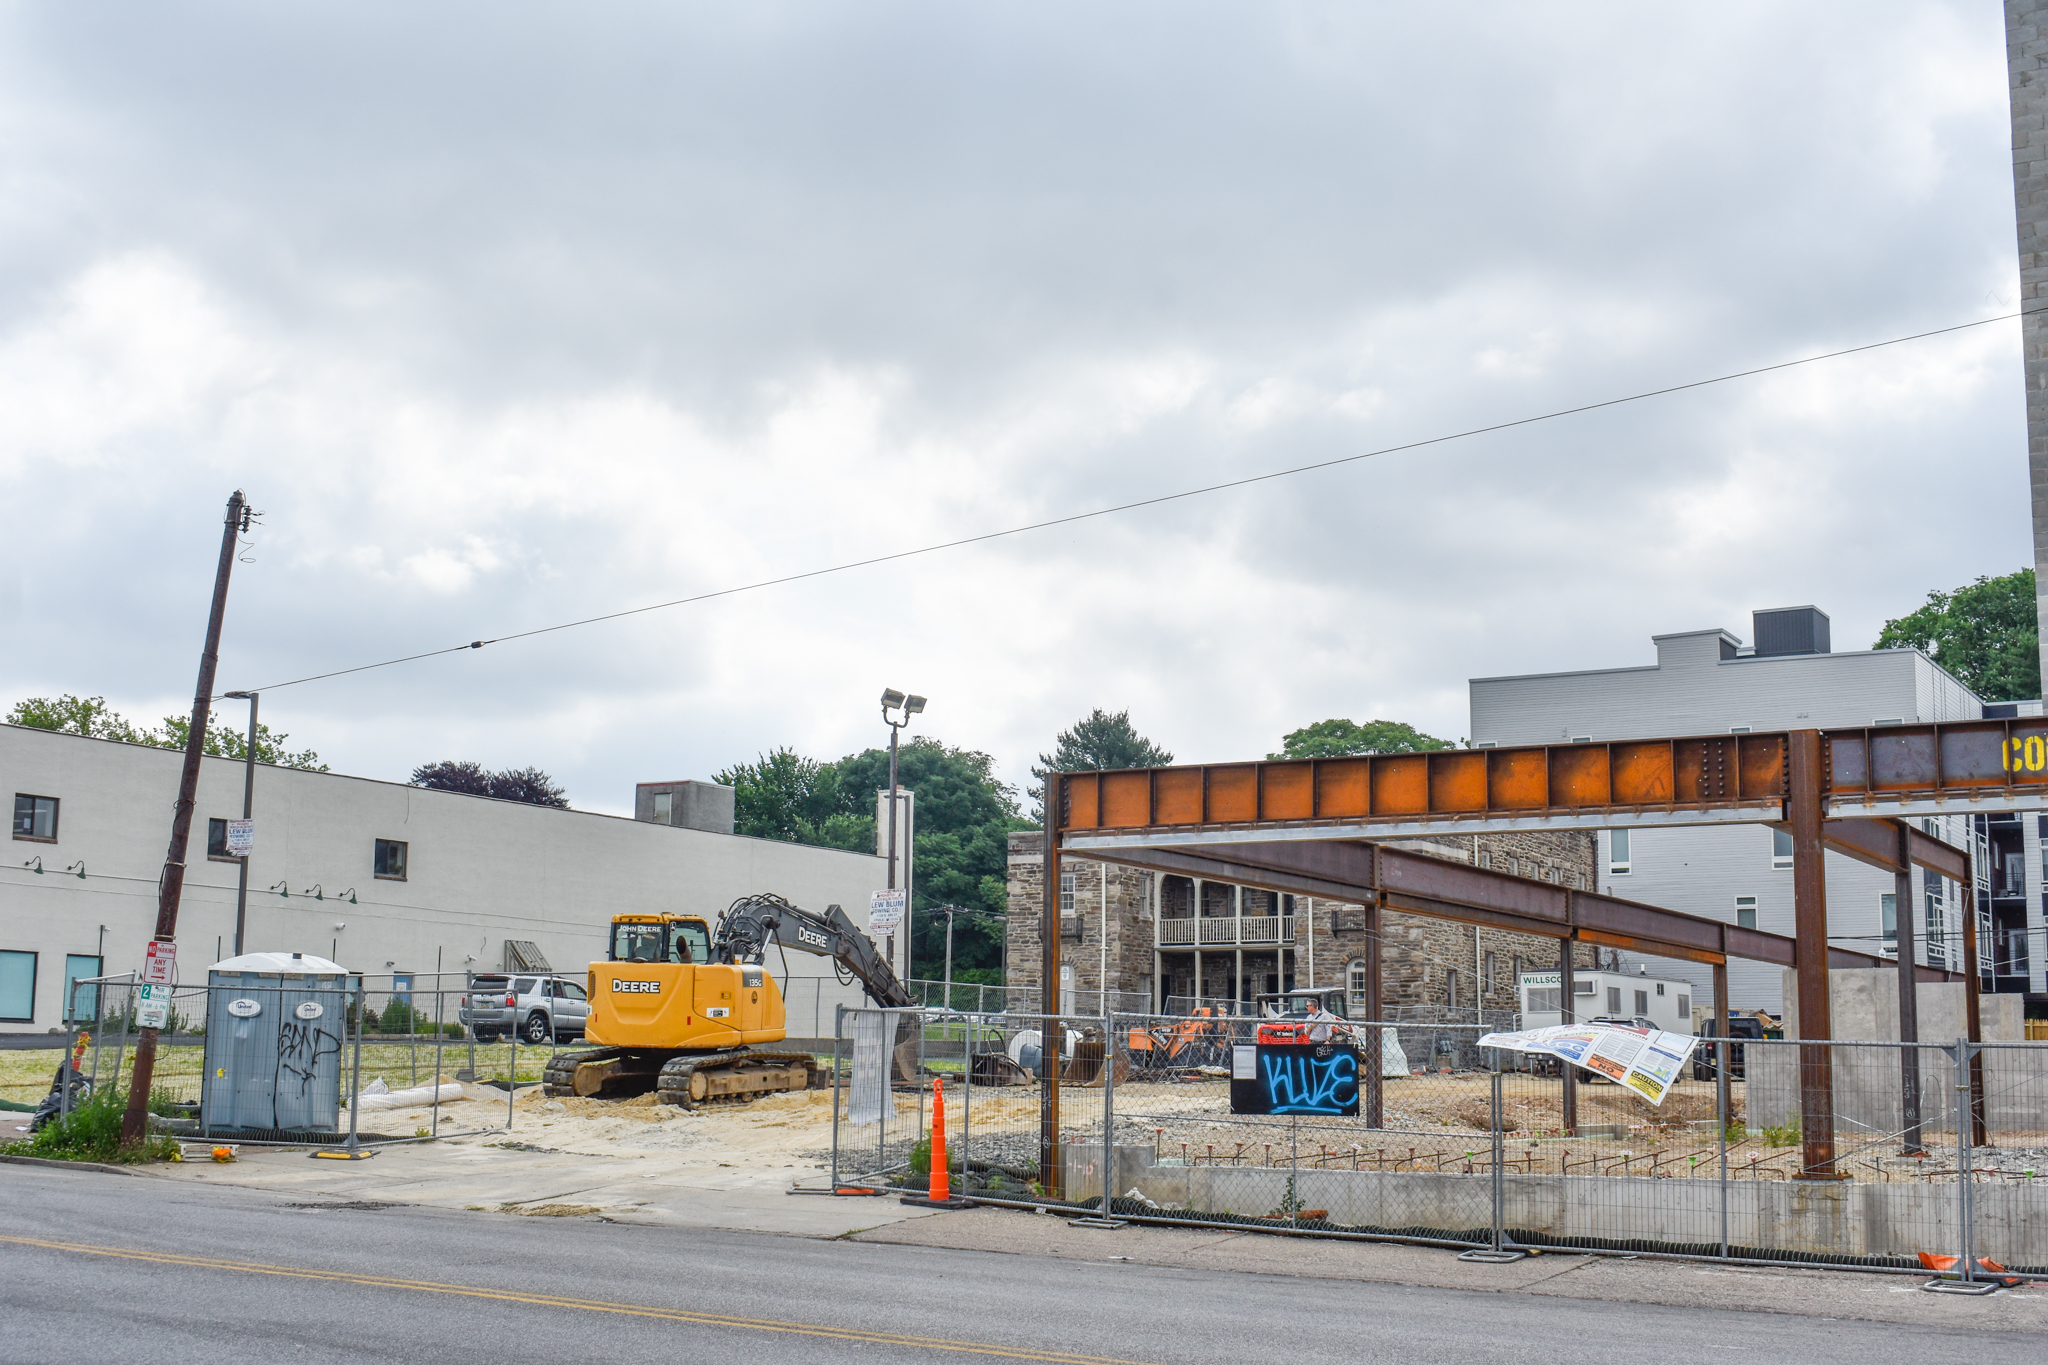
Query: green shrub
{"type": "Point", "coordinates": [921, 1158]}
{"type": "Point", "coordinates": [92, 1132]}
{"type": "Point", "coordinates": [1788, 1136]}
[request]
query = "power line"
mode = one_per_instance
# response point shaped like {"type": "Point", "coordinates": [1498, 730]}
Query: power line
{"type": "Point", "coordinates": [1205, 489]}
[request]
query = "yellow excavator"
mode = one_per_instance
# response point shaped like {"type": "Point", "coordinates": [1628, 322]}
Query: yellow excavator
{"type": "Point", "coordinates": [682, 1011]}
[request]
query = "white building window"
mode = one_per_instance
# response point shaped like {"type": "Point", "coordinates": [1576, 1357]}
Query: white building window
{"type": "Point", "coordinates": [1356, 989]}
{"type": "Point", "coordinates": [1781, 848]}
{"type": "Point", "coordinates": [1888, 916]}
{"type": "Point", "coordinates": [1685, 1009]}
{"type": "Point", "coordinates": [1617, 853]}
{"type": "Point", "coordinates": [1745, 912]}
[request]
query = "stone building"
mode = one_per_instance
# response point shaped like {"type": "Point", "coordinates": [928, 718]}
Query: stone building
{"type": "Point", "coordinates": [1167, 942]}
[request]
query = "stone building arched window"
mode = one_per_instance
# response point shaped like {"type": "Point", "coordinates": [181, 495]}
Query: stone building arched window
{"type": "Point", "coordinates": [1356, 989]}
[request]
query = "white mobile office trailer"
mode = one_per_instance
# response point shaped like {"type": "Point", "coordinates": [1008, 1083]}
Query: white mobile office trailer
{"type": "Point", "coordinates": [1664, 1001]}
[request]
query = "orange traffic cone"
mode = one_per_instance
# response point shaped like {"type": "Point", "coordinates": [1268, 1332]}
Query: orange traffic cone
{"type": "Point", "coordinates": [942, 1180]}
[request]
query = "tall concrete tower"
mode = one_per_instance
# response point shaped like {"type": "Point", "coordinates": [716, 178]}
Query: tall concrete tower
{"type": "Point", "coordinates": [2026, 65]}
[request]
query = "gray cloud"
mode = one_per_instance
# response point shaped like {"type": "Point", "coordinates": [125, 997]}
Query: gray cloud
{"type": "Point", "coordinates": [506, 315]}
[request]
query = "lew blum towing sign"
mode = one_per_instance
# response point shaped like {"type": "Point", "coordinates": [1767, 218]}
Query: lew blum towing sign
{"type": "Point", "coordinates": [1646, 1060]}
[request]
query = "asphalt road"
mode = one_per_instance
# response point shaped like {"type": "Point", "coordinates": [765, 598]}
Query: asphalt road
{"type": "Point", "coordinates": [97, 1266]}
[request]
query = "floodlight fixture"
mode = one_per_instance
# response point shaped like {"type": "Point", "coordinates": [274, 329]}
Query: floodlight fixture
{"type": "Point", "coordinates": [891, 698]}
{"type": "Point", "coordinates": [913, 704]}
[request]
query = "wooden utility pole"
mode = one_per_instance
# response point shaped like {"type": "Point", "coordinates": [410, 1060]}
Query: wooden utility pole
{"type": "Point", "coordinates": [171, 888]}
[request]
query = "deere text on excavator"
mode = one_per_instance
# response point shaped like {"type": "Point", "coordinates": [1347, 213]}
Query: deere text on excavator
{"type": "Point", "coordinates": [680, 1010]}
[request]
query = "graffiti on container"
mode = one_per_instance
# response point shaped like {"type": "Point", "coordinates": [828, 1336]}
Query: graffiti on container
{"type": "Point", "coordinates": [301, 1046]}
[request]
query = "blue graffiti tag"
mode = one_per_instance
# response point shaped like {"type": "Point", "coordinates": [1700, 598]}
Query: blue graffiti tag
{"type": "Point", "coordinates": [1302, 1084]}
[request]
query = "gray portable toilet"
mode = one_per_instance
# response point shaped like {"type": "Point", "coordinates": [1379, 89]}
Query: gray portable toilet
{"type": "Point", "coordinates": [275, 1027]}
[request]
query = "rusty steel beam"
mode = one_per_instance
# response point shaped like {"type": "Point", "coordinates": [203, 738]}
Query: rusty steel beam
{"type": "Point", "coordinates": [1880, 772]}
{"type": "Point", "coordinates": [1877, 843]}
{"type": "Point", "coordinates": [1417, 884]}
{"type": "Point", "coordinates": [1709, 780]}
{"type": "Point", "coordinates": [1804, 810]}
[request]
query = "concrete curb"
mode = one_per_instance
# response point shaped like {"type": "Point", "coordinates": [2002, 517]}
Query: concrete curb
{"type": "Point", "coordinates": [70, 1165]}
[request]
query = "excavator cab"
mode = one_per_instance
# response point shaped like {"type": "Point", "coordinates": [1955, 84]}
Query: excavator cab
{"type": "Point", "coordinates": [647, 940]}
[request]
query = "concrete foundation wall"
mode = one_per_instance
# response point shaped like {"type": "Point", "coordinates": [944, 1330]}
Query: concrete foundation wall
{"type": "Point", "coordinates": [1855, 1218]}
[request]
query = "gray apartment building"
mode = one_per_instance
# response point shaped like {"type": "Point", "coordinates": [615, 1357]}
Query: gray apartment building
{"type": "Point", "coordinates": [1710, 682]}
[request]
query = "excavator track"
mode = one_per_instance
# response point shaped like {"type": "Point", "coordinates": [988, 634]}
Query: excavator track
{"type": "Point", "coordinates": [558, 1081]}
{"type": "Point", "coordinates": [695, 1079]}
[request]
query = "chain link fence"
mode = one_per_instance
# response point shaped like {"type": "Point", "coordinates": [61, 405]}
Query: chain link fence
{"type": "Point", "coordinates": [1935, 1147]}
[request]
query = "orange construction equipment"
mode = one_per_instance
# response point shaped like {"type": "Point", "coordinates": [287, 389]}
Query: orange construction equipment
{"type": "Point", "coordinates": [942, 1181]}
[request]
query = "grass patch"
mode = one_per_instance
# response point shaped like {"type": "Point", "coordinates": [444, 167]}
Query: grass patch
{"type": "Point", "coordinates": [92, 1132]}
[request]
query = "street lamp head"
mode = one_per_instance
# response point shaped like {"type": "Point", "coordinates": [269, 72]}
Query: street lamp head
{"type": "Point", "coordinates": [238, 696]}
{"type": "Point", "coordinates": [891, 698]}
{"type": "Point", "coordinates": [913, 704]}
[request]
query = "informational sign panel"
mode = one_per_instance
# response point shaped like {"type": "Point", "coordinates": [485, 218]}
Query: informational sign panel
{"type": "Point", "coordinates": [1646, 1060]}
{"type": "Point", "coordinates": [1295, 1078]}
{"type": "Point", "coordinates": [885, 910]}
{"type": "Point", "coordinates": [152, 1005]}
{"type": "Point", "coordinates": [160, 963]}
{"type": "Point", "coordinates": [241, 838]}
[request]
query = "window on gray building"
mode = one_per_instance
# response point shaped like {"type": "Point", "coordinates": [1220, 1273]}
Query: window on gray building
{"type": "Point", "coordinates": [1613, 1001]}
{"type": "Point", "coordinates": [389, 860]}
{"type": "Point", "coordinates": [35, 817]}
{"type": "Point", "coordinates": [1617, 853]}
{"type": "Point", "coordinates": [1745, 912]}
{"type": "Point", "coordinates": [1685, 1008]}
{"type": "Point", "coordinates": [1781, 848]}
{"type": "Point", "coordinates": [217, 842]}
{"type": "Point", "coordinates": [1888, 916]}
{"type": "Point", "coordinates": [1642, 1002]}
{"type": "Point", "coordinates": [664, 808]}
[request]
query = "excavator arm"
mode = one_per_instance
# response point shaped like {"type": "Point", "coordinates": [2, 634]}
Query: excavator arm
{"type": "Point", "coordinates": [752, 922]}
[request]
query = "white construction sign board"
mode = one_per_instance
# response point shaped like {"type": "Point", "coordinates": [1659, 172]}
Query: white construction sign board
{"type": "Point", "coordinates": [1646, 1060]}
{"type": "Point", "coordinates": [885, 910]}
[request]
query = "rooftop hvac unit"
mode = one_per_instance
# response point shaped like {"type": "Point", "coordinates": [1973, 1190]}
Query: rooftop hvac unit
{"type": "Point", "coordinates": [275, 1027]}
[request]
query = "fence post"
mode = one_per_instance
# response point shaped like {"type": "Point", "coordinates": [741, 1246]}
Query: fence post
{"type": "Point", "coordinates": [65, 1071]}
{"type": "Point", "coordinates": [967, 1108]}
{"type": "Point", "coordinates": [838, 1027]}
{"type": "Point", "coordinates": [355, 1085]}
{"type": "Point", "coordinates": [440, 1034]}
{"type": "Point", "coordinates": [1722, 1051]}
{"type": "Point", "coordinates": [512, 1071]}
{"type": "Point", "coordinates": [1966, 1281]}
{"type": "Point", "coordinates": [1108, 1104]}
{"type": "Point", "coordinates": [1498, 1253]}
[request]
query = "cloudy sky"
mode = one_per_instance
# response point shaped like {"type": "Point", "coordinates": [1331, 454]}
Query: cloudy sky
{"type": "Point", "coordinates": [506, 315]}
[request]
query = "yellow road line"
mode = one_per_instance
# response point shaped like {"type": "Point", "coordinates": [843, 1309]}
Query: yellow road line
{"type": "Point", "coordinates": [586, 1305]}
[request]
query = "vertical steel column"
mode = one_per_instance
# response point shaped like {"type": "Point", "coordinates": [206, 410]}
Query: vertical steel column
{"type": "Point", "coordinates": [1052, 1036]}
{"type": "Point", "coordinates": [1909, 1000]}
{"type": "Point", "coordinates": [355, 1085]}
{"type": "Point", "coordinates": [1973, 993]}
{"type": "Point", "coordinates": [967, 1110]}
{"type": "Point", "coordinates": [440, 1033]}
{"type": "Point", "coordinates": [1810, 962]}
{"type": "Point", "coordinates": [1567, 1003]}
{"type": "Point", "coordinates": [1375, 1083]}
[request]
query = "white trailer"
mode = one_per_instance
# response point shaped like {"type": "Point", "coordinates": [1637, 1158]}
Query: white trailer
{"type": "Point", "coordinates": [1619, 996]}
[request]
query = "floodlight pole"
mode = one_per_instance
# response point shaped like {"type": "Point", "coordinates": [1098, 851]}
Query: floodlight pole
{"type": "Point", "coordinates": [911, 704]}
{"type": "Point", "coordinates": [248, 811]}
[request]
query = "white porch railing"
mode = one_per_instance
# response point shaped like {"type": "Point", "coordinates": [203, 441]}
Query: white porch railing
{"type": "Point", "coordinates": [1225, 931]}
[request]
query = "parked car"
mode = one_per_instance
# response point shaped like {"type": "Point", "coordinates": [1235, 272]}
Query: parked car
{"type": "Point", "coordinates": [541, 1008]}
{"type": "Point", "coordinates": [1703, 1056]}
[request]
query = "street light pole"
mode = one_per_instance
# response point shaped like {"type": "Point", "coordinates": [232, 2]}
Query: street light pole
{"type": "Point", "coordinates": [911, 704]}
{"type": "Point", "coordinates": [248, 811]}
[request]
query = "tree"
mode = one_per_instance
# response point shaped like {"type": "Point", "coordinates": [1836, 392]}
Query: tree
{"type": "Point", "coordinates": [1097, 743]}
{"type": "Point", "coordinates": [1986, 633]}
{"type": "Point", "coordinates": [1339, 738]}
{"type": "Point", "coordinates": [960, 851]}
{"type": "Point", "coordinates": [783, 795]}
{"type": "Point", "coordinates": [528, 785]}
{"type": "Point", "coordinates": [92, 716]}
